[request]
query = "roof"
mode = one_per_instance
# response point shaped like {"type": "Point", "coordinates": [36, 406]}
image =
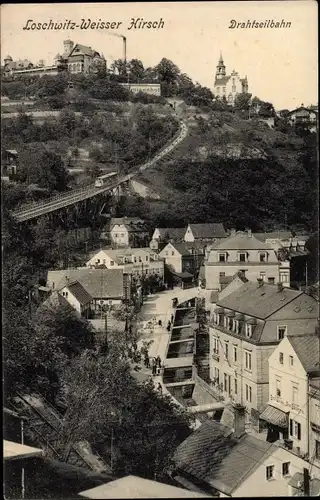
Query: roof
{"type": "Point", "coordinates": [83, 49]}
{"type": "Point", "coordinates": [275, 416]}
{"type": "Point", "coordinates": [212, 454]}
{"type": "Point", "coordinates": [117, 254]}
{"type": "Point", "coordinates": [241, 241]}
{"type": "Point", "coordinates": [106, 283]}
{"type": "Point", "coordinates": [221, 81]}
{"type": "Point", "coordinates": [54, 301]}
{"type": "Point", "coordinates": [208, 230]}
{"type": "Point", "coordinates": [12, 451]}
{"type": "Point", "coordinates": [306, 346]}
{"type": "Point", "coordinates": [302, 108]}
{"type": "Point", "coordinates": [174, 233]}
{"type": "Point", "coordinates": [138, 487]}
{"type": "Point", "coordinates": [258, 301]}
{"type": "Point", "coordinates": [77, 290]}
{"type": "Point", "coordinates": [126, 220]}
{"type": "Point", "coordinates": [182, 248]}
{"type": "Point", "coordinates": [282, 235]}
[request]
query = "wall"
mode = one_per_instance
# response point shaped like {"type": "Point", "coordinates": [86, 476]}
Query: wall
{"type": "Point", "coordinates": [147, 88]}
{"type": "Point", "coordinates": [202, 393]}
{"type": "Point", "coordinates": [188, 235]}
{"type": "Point", "coordinates": [102, 258]}
{"type": "Point", "coordinates": [119, 235]}
{"type": "Point", "coordinates": [256, 483]}
{"type": "Point", "coordinates": [253, 269]}
{"type": "Point", "coordinates": [289, 376]}
{"type": "Point", "coordinates": [172, 257]}
{"type": "Point", "coordinates": [71, 299]}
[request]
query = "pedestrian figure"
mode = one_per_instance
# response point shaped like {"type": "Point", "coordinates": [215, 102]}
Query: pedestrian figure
{"type": "Point", "coordinates": [160, 322]}
{"type": "Point", "coordinates": [147, 361]}
{"type": "Point", "coordinates": [159, 388]}
{"type": "Point", "coordinates": [154, 369]}
{"type": "Point", "coordinates": [171, 318]}
{"type": "Point", "coordinates": [158, 370]}
{"type": "Point", "coordinates": [168, 326]}
{"type": "Point", "coordinates": [158, 361]}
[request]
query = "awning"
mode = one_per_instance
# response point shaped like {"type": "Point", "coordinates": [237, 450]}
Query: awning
{"type": "Point", "coordinates": [219, 310]}
{"type": "Point", "coordinates": [275, 416]}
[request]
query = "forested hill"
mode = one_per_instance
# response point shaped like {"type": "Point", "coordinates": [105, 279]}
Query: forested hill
{"type": "Point", "coordinates": [240, 172]}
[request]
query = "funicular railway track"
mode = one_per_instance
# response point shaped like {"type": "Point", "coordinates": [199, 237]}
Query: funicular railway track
{"type": "Point", "coordinates": [47, 424]}
{"type": "Point", "coordinates": [37, 209]}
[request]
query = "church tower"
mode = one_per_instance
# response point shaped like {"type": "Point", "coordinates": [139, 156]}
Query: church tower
{"type": "Point", "coordinates": [221, 69]}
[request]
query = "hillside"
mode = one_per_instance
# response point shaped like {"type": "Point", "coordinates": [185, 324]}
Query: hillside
{"type": "Point", "coordinates": [238, 171]}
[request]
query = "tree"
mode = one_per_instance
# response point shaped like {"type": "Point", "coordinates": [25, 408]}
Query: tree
{"type": "Point", "coordinates": [242, 101]}
{"type": "Point", "coordinates": [136, 70]}
{"type": "Point", "coordinates": [167, 71]}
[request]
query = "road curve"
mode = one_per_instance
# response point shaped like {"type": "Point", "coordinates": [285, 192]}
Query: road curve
{"type": "Point", "coordinates": [34, 210]}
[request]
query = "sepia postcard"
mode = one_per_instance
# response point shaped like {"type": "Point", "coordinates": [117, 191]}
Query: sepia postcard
{"type": "Point", "coordinates": [160, 249]}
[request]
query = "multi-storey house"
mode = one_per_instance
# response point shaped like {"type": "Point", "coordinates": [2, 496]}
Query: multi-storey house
{"type": "Point", "coordinates": [241, 251]}
{"type": "Point", "coordinates": [127, 232]}
{"type": "Point", "coordinates": [135, 261]}
{"type": "Point", "coordinates": [244, 330]}
{"type": "Point", "coordinates": [293, 411]}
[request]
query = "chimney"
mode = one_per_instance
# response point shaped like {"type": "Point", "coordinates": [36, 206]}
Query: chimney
{"type": "Point", "coordinates": [260, 282]}
{"type": "Point", "coordinates": [280, 287]}
{"type": "Point", "coordinates": [239, 420]}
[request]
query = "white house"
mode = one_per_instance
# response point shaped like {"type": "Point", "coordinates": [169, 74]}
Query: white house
{"type": "Point", "coordinates": [139, 261]}
{"type": "Point", "coordinates": [128, 232]}
{"type": "Point", "coordinates": [77, 297]}
{"type": "Point", "coordinates": [294, 362]}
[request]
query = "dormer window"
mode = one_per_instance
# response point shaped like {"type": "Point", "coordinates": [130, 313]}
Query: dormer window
{"type": "Point", "coordinates": [250, 324]}
{"type": "Point", "coordinates": [248, 331]}
{"type": "Point", "coordinates": [242, 256]}
{"type": "Point", "coordinates": [222, 257]}
{"type": "Point", "coordinates": [263, 257]}
{"type": "Point", "coordinates": [281, 332]}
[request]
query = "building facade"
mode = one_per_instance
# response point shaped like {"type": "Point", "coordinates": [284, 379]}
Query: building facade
{"type": "Point", "coordinates": [146, 88]}
{"type": "Point", "coordinates": [128, 232]}
{"type": "Point", "coordinates": [242, 252]}
{"type": "Point", "coordinates": [228, 87]}
{"type": "Point", "coordinates": [293, 412]}
{"type": "Point", "coordinates": [245, 328]}
{"type": "Point", "coordinates": [181, 258]}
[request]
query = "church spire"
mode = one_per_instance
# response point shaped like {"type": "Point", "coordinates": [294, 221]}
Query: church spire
{"type": "Point", "coordinates": [221, 69]}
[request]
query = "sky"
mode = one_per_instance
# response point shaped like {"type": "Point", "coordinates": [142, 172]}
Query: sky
{"type": "Point", "coordinates": [281, 63]}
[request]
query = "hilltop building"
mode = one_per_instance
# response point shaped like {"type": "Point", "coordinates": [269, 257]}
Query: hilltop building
{"type": "Point", "coordinates": [229, 86]}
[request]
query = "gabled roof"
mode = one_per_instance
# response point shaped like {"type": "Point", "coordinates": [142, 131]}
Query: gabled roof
{"type": "Point", "coordinates": [126, 220]}
{"type": "Point", "coordinates": [208, 230]}
{"type": "Point", "coordinates": [118, 254]}
{"type": "Point", "coordinates": [83, 49]}
{"type": "Point", "coordinates": [212, 454]}
{"type": "Point", "coordinates": [242, 241]}
{"type": "Point", "coordinates": [77, 290]}
{"type": "Point", "coordinates": [54, 301]}
{"type": "Point", "coordinates": [282, 235]}
{"type": "Point", "coordinates": [306, 347]}
{"type": "Point", "coordinates": [174, 233]}
{"type": "Point", "coordinates": [258, 301]}
{"type": "Point", "coordinates": [182, 248]}
{"type": "Point", "coordinates": [302, 108]}
{"type": "Point", "coordinates": [99, 283]}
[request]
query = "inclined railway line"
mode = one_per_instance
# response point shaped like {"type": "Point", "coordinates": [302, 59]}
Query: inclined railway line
{"type": "Point", "coordinates": [47, 423]}
{"type": "Point", "coordinates": [37, 209]}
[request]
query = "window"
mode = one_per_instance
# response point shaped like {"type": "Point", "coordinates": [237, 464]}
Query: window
{"type": "Point", "coordinates": [172, 253]}
{"type": "Point", "coordinates": [271, 281]}
{"type": "Point", "coordinates": [285, 468]}
{"type": "Point", "coordinates": [225, 383]}
{"type": "Point", "coordinates": [147, 258]}
{"type": "Point", "coordinates": [248, 393]}
{"type": "Point", "coordinates": [284, 277]}
{"type": "Point", "coordinates": [290, 360]}
{"type": "Point", "coordinates": [281, 358]}
{"type": "Point", "coordinates": [215, 345]}
{"type": "Point", "coordinates": [217, 375]}
{"type": "Point", "coordinates": [282, 332]}
{"type": "Point", "coordinates": [140, 260]}
{"type": "Point", "coordinates": [262, 257]}
{"type": "Point", "coordinates": [242, 257]}
{"type": "Point", "coordinates": [235, 386]}
{"type": "Point", "coordinates": [221, 275]}
{"type": "Point", "coordinates": [248, 360]}
{"type": "Point", "coordinates": [295, 390]}
{"type": "Point", "coordinates": [229, 384]}
{"type": "Point", "coordinates": [269, 472]}
{"type": "Point", "coordinates": [116, 235]}
{"type": "Point", "coordinates": [135, 259]}
{"type": "Point", "coordinates": [263, 275]}
{"type": "Point", "coordinates": [222, 257]}
{"type": "Point", "coordinates": [111, 262]}
{"type": "Point", "coordinates": [317, 450]}
{"type": "Point", "coordinates": [278, 387]}
{"type": "Point", "coordinates": [98, 261]}
{"type": "Point", "coordinates": [235, 353]}
{"type": "Point", "coordinates": [226, 350]}
{"type": "Point", "coordinates": [248, 330]}
{"type": "Point", "coordinates": [295, 429]}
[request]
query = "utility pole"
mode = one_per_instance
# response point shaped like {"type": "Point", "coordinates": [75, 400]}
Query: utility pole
{"type": "Point", "coordinates": [22, 470]}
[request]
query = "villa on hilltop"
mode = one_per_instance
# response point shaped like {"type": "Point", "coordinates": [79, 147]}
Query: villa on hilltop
{"type": "Point", "coordinates": [228, 86]}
